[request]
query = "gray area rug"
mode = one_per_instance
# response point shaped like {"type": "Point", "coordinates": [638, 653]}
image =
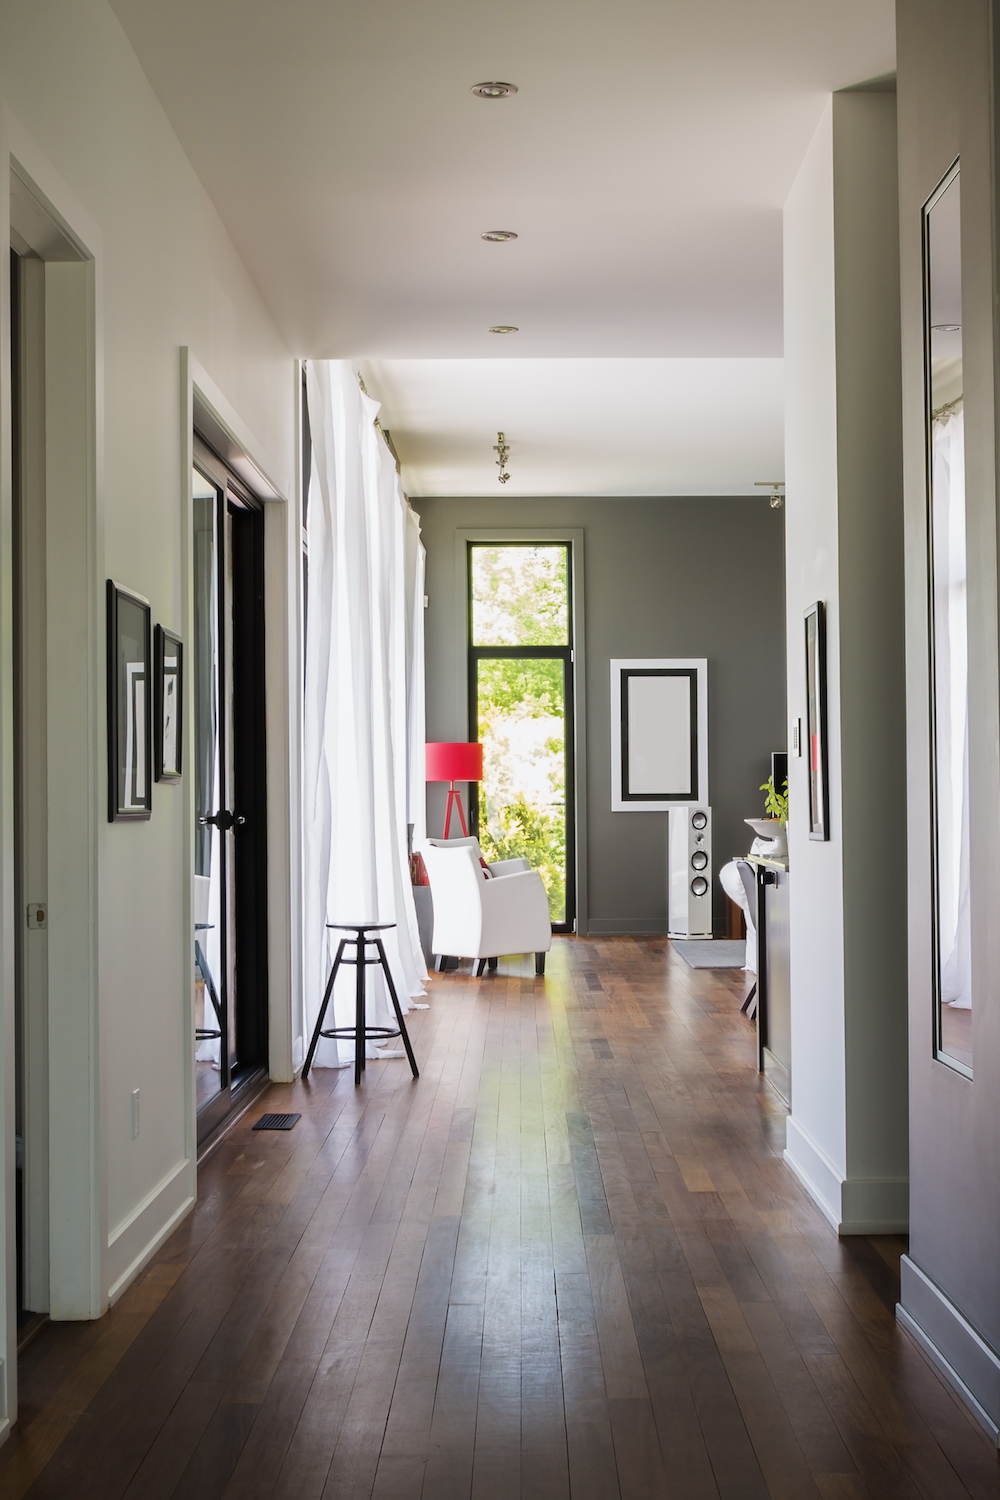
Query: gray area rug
{"type": "Point", "coordinates": [722, 953]}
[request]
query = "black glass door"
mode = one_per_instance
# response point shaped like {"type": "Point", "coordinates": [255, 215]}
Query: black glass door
{"type": "Point", "coordinates": [230, 824]}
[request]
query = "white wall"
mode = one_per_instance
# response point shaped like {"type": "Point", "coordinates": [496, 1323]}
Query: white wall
{"type": "Point", "coordinates": [816, 1130]}
{"type": "Point", "coordinates": [847, 1131]}
{"type": "Point", "coordinates": [80, 117]}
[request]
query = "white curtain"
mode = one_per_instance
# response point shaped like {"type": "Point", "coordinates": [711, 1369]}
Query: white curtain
{"type": "Point", "coordinates": [951, 688]}
{"type": "Point", "coordinates": [416, 800]}
{"type": "Point", "coordinates": [363, 695]}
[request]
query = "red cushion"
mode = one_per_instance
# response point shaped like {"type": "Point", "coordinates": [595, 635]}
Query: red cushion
{"type": "Point", "coordinates": [487, 872]}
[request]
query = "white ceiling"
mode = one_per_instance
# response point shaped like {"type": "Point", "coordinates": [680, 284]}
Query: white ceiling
{"type": "Point", "coordinates": [643, 163]}
{"type": "Point", "coordinates": [583, 427]}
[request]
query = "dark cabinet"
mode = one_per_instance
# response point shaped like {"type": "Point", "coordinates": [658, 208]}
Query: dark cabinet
{"type": "Point", "coordinates": [774, 993]}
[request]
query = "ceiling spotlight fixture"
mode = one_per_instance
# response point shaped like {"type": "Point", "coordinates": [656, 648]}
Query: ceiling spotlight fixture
{"type": "Point", "coordinates": [494, 90]}
{"type": "Point", "coordinates": [498, 236]}
{"type": "Point", "coordinates": [775, 486]}
{"type": "Point", "coordinates": [503, 328]}
{"type": "Point", "coordinates": [935, 327]}
{"type": "Point", "coordinates": [502, 450]}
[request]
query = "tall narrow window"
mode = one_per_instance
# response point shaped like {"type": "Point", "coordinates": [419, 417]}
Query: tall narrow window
{"type": "Point", "coordinates": [948, 626]}
{"type": "Point", "coordinates": [521, 708]}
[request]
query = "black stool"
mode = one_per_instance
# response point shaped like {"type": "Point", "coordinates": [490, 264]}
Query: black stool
{"type": "Point", "coordinates": [205, 1033]}
{"type": "Point", "coordinates": [360, 1031]}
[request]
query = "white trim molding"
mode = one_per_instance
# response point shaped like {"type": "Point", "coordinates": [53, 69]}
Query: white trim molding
{"type": "Point", "coordinates": [204, 406]}
{"type": "Point", "coordinates": [951, 1343]}
{"type": "Point", "coordinates": [852, 1205]}
{"type": "Point", "coordinates": [141, 1233]}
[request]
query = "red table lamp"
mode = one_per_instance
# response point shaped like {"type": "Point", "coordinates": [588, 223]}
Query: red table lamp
{"type": "Point", "coordinates": [451, 763]}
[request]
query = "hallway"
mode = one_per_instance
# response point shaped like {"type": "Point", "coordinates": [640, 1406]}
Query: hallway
{"type": "Point", "coordinates": [568, 1261]}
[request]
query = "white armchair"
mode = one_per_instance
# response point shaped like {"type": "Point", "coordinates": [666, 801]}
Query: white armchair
{"type": "Point", "coordinates": [479, 917]}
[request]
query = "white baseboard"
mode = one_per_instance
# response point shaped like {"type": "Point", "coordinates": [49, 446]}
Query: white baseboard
{"type": "Point", "coordinates": [852, 1205]}
{"type": "Point", "coordinates": [625, 927]}
{"type": "Point", "coordinates": [138, 1237]}
{"type": "Point", "coordinates": [815, 1171]}
{"type": "Point", "coordinates": [951, 1343]}
{"type": "Point", "coordinates": [875, 1205]}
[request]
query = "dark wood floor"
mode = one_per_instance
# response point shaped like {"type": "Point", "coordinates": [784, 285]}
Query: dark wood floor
{"type": "Point", "coordinates": [568, 1261]}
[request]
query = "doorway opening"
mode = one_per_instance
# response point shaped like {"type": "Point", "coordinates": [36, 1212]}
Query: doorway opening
{"type": "Point", "coordinates": [27, 283]}
{"type": "Point", "coordinates": [230, 849]}
{"type": "Point", "coordinates": [520, 633]}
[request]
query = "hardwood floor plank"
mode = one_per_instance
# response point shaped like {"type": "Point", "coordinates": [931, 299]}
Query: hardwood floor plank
{"type": "Point", "coordinates": [568, 1263]}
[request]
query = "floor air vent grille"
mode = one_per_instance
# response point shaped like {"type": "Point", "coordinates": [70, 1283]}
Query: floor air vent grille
{"type": "Point", "coordinates": [277, 1122]}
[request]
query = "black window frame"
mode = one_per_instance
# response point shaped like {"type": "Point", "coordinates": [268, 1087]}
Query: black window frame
{"type": "Point", "coordinates": [531, 653]}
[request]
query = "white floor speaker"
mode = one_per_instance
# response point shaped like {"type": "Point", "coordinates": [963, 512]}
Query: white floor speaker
{"type": "Point", "coordinates": [689, 872]}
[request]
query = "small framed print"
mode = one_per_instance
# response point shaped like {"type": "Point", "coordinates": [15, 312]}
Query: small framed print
{"type": "Point", "coordinates": [819, 791]}
{"type": "Point", "coordinates": [130, 706]}
{"type": "Point", "coordinates": [168, 669]}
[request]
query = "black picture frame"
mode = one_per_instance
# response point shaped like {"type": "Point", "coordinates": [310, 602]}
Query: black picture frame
{"type": "Point", "coordinates": [168, 704]}
{"type": "Point", "coordinates": [817, 767]}
{"type": "Point", "coordinates": [687, 794]}
{"type": "Point", "coordinates": [130, 706]}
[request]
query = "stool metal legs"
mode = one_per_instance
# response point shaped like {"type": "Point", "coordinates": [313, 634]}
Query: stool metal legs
{"type": "Point", "coordinates": [360, 1018]}
{"type": "Point", "coordinates": [205, 1033]}
{"type": "Point", "coordinates": [360, 1031]}
{"type": "Point", "coordinates": [318, 1032]}
{"type": "Point", "coordinates": [395, 1005]}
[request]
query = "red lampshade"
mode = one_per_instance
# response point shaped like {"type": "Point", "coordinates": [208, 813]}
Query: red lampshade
{"type": "Point", "coordinates": [458, 762]}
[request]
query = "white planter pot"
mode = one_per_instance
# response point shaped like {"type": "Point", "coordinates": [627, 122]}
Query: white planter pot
{"type": "Point", "coordinates": [771, 829]}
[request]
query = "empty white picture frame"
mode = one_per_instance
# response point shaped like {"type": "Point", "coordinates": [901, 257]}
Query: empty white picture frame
{"type": "Point", "coordinates": [659, 733]}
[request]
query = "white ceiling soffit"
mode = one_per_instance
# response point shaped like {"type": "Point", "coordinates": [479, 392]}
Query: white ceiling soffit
{"type": "Point", "coordinates": [643, 163]}
{"type": "Point", "coordinates": [583, 427]}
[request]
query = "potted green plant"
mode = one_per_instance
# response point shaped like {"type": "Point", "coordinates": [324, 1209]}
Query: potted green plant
{"type": "Point", "coordinates": [772, 825]}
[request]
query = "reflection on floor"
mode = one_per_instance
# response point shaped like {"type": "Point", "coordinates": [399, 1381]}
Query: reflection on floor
{"type": "Point", "coordinates": [956, 1034]}
{"type": "Point", "coordinates": [206, 1077]}
{"type": "Point", "coordinates": [568, 1261]}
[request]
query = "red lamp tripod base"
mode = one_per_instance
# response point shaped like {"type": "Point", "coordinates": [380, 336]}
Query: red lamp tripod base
{"type": "Point", "coordinates": [454, 800]}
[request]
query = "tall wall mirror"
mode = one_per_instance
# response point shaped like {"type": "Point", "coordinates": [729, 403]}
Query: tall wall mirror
{"type": "Point", "coordinates": [949, 651]}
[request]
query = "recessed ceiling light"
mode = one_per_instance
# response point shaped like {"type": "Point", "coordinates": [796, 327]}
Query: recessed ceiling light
{"type": "Point", "coordinates": [935, 327]}
{"type": "Point", "coordinates": [503, 328]}
{"type": "Point", "coordinates": [498, 236]}
{"type": "Point", "coordinates": [494, 90]}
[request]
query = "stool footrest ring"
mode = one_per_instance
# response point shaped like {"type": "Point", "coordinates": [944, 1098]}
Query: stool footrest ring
{"type": "Point", "coordinates": [372, 1033]}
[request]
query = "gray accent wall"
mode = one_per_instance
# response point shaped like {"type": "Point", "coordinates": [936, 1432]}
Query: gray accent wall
{"type": "Point", "coordinates": [663, 577]}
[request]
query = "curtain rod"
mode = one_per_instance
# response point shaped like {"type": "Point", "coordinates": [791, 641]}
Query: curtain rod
{"type": "Point", "coordinates": [948, 410]}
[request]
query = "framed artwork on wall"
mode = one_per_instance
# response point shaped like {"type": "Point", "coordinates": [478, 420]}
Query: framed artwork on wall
{"type": "Point", "coordinates": [659, 733]}
{"type": "Point", "coordinates": [819, 791]}
{"type": "Point", "coordinates": [130, 708]}
{"type": "Point", "coordinates": [168, 669]}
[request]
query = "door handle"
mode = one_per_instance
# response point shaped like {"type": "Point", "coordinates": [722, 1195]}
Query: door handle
{"type": "Point", "coordinates": [223, 820]}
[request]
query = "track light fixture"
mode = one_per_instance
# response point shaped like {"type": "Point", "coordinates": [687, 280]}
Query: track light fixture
{"type": "Point", "coordinates": [502, 450]}
{"type": "Point", "coordinates": [776, 486]}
